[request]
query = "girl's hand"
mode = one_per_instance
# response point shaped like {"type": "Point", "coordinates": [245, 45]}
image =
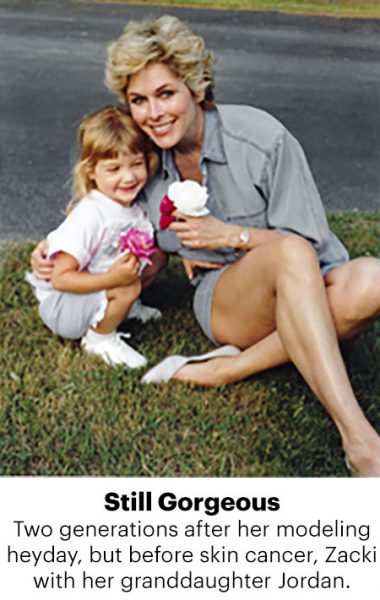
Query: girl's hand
{"type": "Point", "coordinates": [190, 265]}
{"type": "Point", "coordinates": [124, 271]}
{"type": "Point", "coordinates": [41, 265]}
{"type": "Point", "coordinates": [205, 233]}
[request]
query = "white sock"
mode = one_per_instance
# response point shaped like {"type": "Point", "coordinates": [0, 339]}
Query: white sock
{"type": "Point", "coordinates": [92, 337]}
{"type": "Point", "coordinates": [142, 312]}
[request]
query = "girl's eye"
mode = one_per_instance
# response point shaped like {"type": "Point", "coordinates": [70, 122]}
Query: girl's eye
{"type": "Point", "coordinates": [112, 169]}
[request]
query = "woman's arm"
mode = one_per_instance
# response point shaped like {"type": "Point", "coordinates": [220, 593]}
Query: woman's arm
{"type": "Point", "coordinates": [42, 266]}
{"type": "Point", "coordinates": [209, 233]}
{"type": "Point", "coordinates": [67, 278]}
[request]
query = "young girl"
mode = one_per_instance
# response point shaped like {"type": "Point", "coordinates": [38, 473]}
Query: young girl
{"type": "Point", "coordinates": [96, 280]}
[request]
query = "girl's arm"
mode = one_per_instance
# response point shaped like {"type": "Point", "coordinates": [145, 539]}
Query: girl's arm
{"type": "Point", "coordinates": [67, 278]}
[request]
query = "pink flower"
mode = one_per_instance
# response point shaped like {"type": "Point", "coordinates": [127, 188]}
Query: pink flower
{"type": "Point", "coordinates": [139, 243]}
{"type": "Point", "coordinates": [167, 207]}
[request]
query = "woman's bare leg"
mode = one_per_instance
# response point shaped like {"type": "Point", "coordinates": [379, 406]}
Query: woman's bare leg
{"type": "Point", "coordinates": [308, 334]}
{"type": "Point", "coordinates": [290, 294]}
{"type": "Point", "coordinates": [353, 293]}
{"type": "Point", "coordinates": [265, 354]}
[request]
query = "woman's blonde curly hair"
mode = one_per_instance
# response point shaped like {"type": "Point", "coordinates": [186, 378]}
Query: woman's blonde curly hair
{"type": "Point", "coordinates": [101, 135]}
{"type": "Point", "coordinates": [164, 40]}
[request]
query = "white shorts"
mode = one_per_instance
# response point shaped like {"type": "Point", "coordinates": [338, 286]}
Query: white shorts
{"type": "Point", "coordinates": [66, 314]}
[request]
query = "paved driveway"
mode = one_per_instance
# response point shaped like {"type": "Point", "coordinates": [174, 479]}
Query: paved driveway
{"type": "Point", "coordinates": [321, 77]}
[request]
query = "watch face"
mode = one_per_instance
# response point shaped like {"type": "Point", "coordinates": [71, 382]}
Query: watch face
{"type": "Point", "coordinates": [244, 237]}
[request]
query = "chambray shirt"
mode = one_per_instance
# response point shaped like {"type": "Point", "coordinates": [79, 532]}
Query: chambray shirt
{"type": "Point", "coordinates": [257, 176]}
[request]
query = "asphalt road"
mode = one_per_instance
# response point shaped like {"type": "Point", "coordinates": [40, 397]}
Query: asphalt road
{"type": "Point", "coordinates": [320, 76]}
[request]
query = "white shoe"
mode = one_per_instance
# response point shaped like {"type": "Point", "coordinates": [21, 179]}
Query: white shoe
{"type": "Point", "coordinates": [143, 313]}
{"type": "Point", "coordinates": [115, 352]}
{"type": "Point", "coordinates": [168, 367]}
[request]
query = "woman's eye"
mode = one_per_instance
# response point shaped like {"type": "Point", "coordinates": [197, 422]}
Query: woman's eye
{"type": "Point", "coordinates": [167, 94]}
{"type": "Point", "coordinates": [137, 100]}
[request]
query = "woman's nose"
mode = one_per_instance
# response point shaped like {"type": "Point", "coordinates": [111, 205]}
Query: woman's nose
{"type": "Point", "coordinates": [155, 108]}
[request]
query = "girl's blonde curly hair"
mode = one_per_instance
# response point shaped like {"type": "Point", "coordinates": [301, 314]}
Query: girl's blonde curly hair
{"type": "Point", "coordinates": [103, 134]}
{"type": "Point", "coordinates": [164, 40]}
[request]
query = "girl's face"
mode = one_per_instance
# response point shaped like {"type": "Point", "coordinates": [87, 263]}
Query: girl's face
{"type": "Point", "coordinates": [120, 178]}
{"type": "Point", "coordinates": [164, 107]}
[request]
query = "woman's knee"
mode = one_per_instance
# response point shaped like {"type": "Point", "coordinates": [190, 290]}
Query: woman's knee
{"type": "Point", "coordinates": [356, 296]}
{"type": "Point", "coordinates": [297, 257]}
{"type": "Point", "coordinates": [365, 290]}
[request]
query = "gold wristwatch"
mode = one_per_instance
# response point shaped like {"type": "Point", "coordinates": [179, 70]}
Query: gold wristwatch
{"type": "Point", "coordinates": [244, 238]}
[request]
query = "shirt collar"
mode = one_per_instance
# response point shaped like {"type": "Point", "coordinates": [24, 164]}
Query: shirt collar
{"type": "Point", "coordinates": [213, 147]}
{"type": "Point", "coordinates": [103, 199]}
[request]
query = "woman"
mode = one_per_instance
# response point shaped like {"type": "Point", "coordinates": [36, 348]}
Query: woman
{"type": "Point", "coordinates": [286, 290]}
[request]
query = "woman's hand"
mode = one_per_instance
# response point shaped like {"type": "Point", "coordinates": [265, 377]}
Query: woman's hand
{"type": "Point", "coordinates": [209, 233]}
{"type": "Point", "coordinates": [205, 233]}
{"type": "Point", "coordinates": [41, 265]}
{"type": "Point", "coordinates": [190, 265]}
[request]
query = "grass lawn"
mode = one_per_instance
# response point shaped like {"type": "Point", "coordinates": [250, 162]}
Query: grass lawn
{"type": "Point", "coordinates": [337, 8]}
{"type": "Point", "coordinates": [65, 413]}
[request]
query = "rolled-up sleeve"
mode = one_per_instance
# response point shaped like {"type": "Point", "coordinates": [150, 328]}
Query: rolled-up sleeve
{"type": "Point", "coordinates": [294, 203]}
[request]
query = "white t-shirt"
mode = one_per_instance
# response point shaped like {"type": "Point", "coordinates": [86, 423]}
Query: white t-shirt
{"type": "Point", "coordinates": [91, 232]}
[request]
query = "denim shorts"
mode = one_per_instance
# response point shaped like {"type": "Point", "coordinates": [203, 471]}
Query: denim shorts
{"type": "Point", "coordinates": [202, 300]}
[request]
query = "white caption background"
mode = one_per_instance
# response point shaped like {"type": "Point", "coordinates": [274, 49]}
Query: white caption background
{"type": "Point", "coordinates": [47, 554]}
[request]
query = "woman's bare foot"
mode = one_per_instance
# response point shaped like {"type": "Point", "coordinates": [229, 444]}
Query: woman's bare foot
{"type": "Point", "coordinates": [364, 460]}
{"type": "Point", "coordinates": [217, 371]}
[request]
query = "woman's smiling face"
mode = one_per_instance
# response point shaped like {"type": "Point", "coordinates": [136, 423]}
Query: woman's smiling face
{"type": "Point", "coordinates": [164, 107]}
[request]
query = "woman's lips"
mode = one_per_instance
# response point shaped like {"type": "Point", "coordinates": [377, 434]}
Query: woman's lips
{"type": "Point", "coordinates": [162, 129]}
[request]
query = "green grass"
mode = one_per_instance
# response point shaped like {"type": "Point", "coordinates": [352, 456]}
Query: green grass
{"type": "Point", "coordinates": [65, 413]}
{"type": "Point", "coordinates": [335, 8]}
